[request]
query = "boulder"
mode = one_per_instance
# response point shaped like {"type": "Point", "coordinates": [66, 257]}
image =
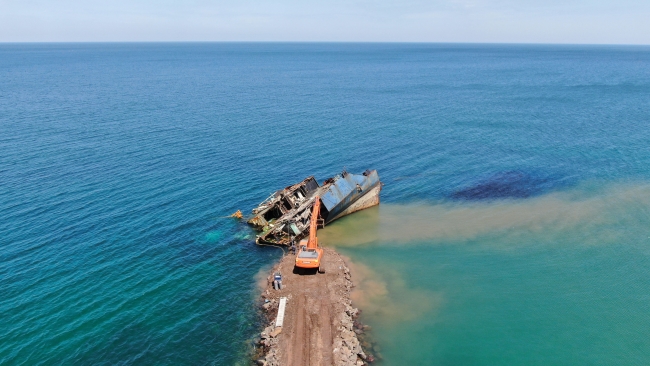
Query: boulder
{"type": "Point", "coordinates": [275, 332]}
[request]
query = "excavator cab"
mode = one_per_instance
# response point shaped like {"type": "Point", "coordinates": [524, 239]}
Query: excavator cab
{"type": "Point", "coordinates": [309, 254]}
{"type": "Point", "coordinates": [308, 257]}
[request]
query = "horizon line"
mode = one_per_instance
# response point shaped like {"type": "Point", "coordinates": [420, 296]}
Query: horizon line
{"type": "Point", "coordinates": [331, 42]}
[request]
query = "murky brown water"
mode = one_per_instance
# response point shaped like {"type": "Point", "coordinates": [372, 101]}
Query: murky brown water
{"type": "Point", "coordinates": [434, 277]}
{"type": "Point", "coordinates": [400, 224]}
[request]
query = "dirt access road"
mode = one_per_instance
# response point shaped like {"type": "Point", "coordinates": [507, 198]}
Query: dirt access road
{"type": "Point", "coordinates": [318, 326]}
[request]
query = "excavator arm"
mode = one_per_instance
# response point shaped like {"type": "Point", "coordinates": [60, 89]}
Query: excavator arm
{"type": "Point", "coordinates": [313, 225]}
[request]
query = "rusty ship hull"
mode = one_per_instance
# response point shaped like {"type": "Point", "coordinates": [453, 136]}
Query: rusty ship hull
{"type": "Point", "coordinates": [284, 217]}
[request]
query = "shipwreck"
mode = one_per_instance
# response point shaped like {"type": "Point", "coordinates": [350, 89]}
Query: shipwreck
{"type": "Point", "coordinates": [284, 217]}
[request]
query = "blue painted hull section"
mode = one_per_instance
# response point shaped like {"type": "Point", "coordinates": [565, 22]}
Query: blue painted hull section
{"type": "Point", "coordinates": [347, 189]}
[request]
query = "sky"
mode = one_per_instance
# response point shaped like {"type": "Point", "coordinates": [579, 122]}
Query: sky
{"type": "Point", "coordinates": [489, 21]}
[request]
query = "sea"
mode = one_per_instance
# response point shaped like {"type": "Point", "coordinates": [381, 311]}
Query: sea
{"type": "Point", "coordinates": [514, 227]}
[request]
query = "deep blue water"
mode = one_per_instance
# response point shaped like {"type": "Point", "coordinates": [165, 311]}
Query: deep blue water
{"type": "Point", "coordinates": [119, 161]}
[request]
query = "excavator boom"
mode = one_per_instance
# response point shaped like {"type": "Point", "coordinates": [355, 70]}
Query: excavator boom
{"type": "Point", "coordinates": [313, 225]}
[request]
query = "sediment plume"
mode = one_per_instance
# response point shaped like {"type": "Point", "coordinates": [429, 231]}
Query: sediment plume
{"type": "Point", "coordinates": [321, 327]}
{"type": "Point", "coordinates": [392, 224]}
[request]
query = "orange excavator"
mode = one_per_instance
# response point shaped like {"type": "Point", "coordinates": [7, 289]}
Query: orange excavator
{"type": "Point", "coordinates": [309, 254]}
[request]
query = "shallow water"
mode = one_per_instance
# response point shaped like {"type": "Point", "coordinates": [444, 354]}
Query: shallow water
{"type": "Point", "coordinates": [558, 279]}
{"type": "Point", "coordinates": [514, 220]}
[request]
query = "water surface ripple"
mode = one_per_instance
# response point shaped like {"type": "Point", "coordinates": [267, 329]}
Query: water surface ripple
{"type": "Point", "coordinates": [119, 161]}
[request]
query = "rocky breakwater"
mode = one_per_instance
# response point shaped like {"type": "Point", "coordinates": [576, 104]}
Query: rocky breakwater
{"type": "Point", "coordinates": [320, 327]}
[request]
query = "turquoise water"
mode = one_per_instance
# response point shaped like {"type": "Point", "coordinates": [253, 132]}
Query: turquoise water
{"type": "Point", "coordinates": [559, 279]}
{"type": "Point", "coordinates": [514, 227]}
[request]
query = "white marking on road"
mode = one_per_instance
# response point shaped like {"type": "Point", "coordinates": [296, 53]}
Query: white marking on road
{"type": "Point", "coordinates": [281, 308]}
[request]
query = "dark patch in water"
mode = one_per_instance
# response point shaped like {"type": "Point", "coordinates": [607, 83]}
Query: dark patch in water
{"type": "Point", "coordinates": [511, 184]}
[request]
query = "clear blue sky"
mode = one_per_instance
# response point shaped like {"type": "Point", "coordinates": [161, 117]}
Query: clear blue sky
{"type": "Point", "coordinates": [521, 21]}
